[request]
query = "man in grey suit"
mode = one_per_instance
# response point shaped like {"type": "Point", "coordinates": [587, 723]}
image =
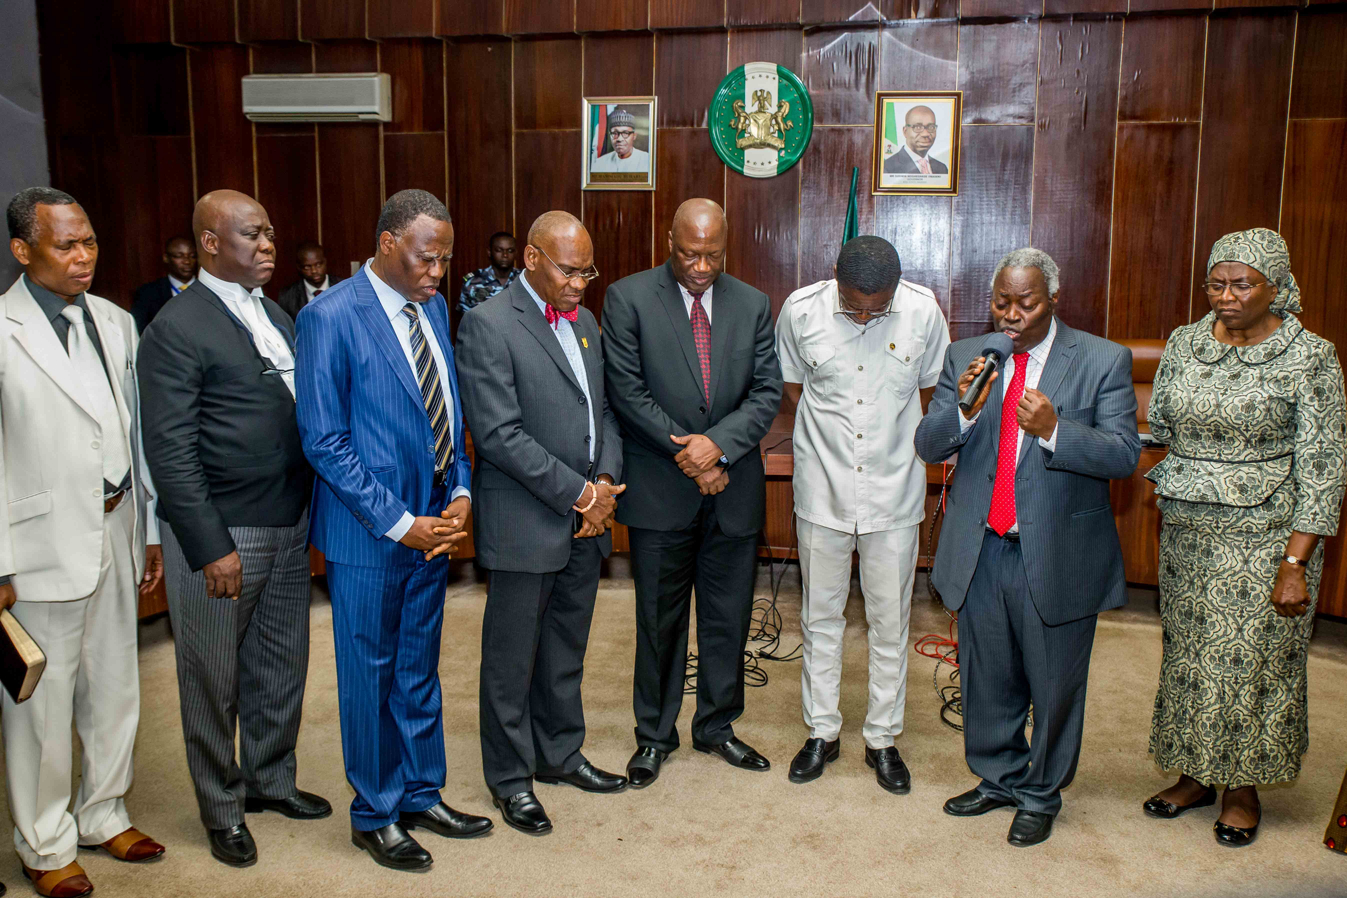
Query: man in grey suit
{"type": "Point", "coordinates": [549, 458]}
{"type": "Point", "coordinates": [1029, 553]}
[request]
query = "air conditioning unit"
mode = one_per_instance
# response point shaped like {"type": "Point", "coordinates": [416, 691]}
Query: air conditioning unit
{"type": "Point", "coordinates": [355, 97]}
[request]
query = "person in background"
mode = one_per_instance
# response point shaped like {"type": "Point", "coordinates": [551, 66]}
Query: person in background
{"type": "Point", "coordinates": [1029, 551]}
{"type": "Point", "coordinates": [381, 421]}
{"type": "Point", "coordinates": [549, 466]}
{"type": "Point", "coordinates": [180, 268]}
{"type": "Point", "coordinates": [311, 262]}
{"type": "Point", "coordinates": [217, 377]}
{"type": "Point", "coordinates": [78, 540]}
{"type": "Point", "coordinates": [860, 355]}
{"type": "Point", "coordinates": [693, 378]}
{"type": "Point", "coordinates": [1251, 406]}
{"type": "Point", "coordinates": [484, 283]}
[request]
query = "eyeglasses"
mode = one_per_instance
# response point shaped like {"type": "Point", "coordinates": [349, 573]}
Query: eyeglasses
{"type": "Point", "coordinates": [921, 128]}
{"type": "Point", "coordinates": [587, 275]}
{"type": "Point", "coordinates": [1240, 290]}
{"type": "Point", "coordinates": [854, 314]}
{"type": "Point", "coordinates": [623, 133]}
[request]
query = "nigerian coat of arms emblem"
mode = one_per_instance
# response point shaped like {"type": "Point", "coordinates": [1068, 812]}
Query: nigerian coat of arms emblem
{"type": "Point", "coordinates": [761, 119]}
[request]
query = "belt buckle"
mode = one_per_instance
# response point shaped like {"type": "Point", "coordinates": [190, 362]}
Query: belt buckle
{"type": "Point", "coordinates": [110, 503]}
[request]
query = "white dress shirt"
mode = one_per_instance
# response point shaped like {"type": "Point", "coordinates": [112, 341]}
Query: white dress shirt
{"type": "Point", "coordinates": [706, 301]}
{"type": "Point", "coordinates": [392, 302]}
{"type": "Point", "coordinates": [1038, 357]}
{"type": "Point", "coordinates": [247, 307]}
{"type": "Point", "coordinates": [856, 466]}
{"type": "Point", "coordinates": [310, 291]}
{"type": "Point", "coordinates": [179, 286]}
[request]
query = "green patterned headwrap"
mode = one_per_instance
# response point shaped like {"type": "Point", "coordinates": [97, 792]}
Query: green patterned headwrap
{"type": "Point", "coordinates": [1265, 252]}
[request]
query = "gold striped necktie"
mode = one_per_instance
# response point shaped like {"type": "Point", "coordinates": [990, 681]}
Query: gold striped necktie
{"type": "Point", "coordinates": [431, 393]}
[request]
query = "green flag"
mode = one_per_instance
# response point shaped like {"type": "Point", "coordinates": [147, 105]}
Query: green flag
{"type": "Point", "coordinates": [852, 227]}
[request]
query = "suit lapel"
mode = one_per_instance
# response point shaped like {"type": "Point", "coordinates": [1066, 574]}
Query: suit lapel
{"type": "Point", "coordinates": [38, 339]}
{"type": "Point", "coordinates": [1054, 370]}
{"type": "Point", "coordinates": [672, 299]}
{"type": "Point", "coordinates": [114, 353]}
{"type": "Point", "coordinates": [371, 312]}
{"type": "Point", "coordinates": [532, 318]}
{"type": "Point", "coordinates": [721, 329]}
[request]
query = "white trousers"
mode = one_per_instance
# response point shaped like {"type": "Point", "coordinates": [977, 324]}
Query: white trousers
{"type": "Point", "coordinates": [888, 565]}
{"type": "Point", "coordinates": [91, 679]}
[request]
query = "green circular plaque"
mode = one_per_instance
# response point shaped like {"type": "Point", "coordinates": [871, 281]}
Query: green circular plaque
{"type": "Point", "coordinates": [761, 119]}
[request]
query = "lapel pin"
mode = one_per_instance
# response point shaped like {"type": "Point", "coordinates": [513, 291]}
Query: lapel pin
{"type": "Point", "coordinates": [584, 341]}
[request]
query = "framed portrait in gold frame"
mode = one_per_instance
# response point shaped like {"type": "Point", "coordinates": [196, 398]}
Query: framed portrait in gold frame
{"type": "Point", "coordinates": [619, 143]}
{"type": "Point", "coordinates": [917, 142]}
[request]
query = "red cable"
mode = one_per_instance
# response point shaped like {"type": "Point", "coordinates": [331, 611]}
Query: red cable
{"type": "Point", "coordinates": [940, 648]}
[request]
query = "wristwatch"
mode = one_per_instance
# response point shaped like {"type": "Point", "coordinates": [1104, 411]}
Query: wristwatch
{"type": "Point", "coordinates": [1291, 559]}
{"type": "Point", "coordinates": [723, 462]}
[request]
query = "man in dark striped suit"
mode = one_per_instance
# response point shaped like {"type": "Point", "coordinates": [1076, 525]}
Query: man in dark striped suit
{"type": "Point", "coordinates": [1029, 553]}
{"type": "Point", "coordinates": [379, 418]}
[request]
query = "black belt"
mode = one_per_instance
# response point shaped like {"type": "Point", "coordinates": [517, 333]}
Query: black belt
{"type": "Point", "coordinates": [441, 478]}
{"type": "Point", "coordinates": [1010, 536]}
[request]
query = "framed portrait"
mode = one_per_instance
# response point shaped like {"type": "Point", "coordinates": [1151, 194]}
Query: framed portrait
{"type": "Point", "coordinates": [619, 143]}
{"type": "Point", "coordinates": [917, 142]}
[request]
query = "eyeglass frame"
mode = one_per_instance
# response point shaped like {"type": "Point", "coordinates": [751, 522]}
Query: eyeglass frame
{"type": "Point", "coordinates": [570, 277]}
{"type": "Point", "coordinates": [1234, 288]}
{"type": "Point", "coordinates": [874, 316]}
{"type": "Point", "coordinates": [924, 128]}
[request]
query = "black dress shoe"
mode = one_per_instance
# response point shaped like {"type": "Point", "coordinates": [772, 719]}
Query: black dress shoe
{"type": "Point", "coordinates": [586, 777]}
{"type": "Point", "coordinates": [736, 754]}
{"type": "Point", "coordinates": [392, 847]}
{"type": "Point", "coordinates": [890, 770]}
{"type": "Point", "coordinates": [233, 846]}
{"type": "Point", "coordinates": [643, 768]}
{"type": "Point", "coordinates": [1235, 836]}
{"type": "Point", "coordinates": [1029, 828]}
{"type": "Point", "coordinates": [445, 821]}
{"type": "Point", "coordinates": [812, 758]}
{"type": "Point", "coordinates": [974, 802]}
{"type": "Point", "coordinates": [1156, 806]}
{"type": "Point", "coordinates": [300, 806]}
{"type": "Point", "coordinates": [524, 812]}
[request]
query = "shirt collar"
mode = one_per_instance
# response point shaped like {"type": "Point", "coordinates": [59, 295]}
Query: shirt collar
{"type": "Point", "coordinates": [226, 290]}
{"type": "Point", "coordinates": [1207, 349]}
{"type": "Point", "coordinates": [51, 304]}
{"type": "Point", "coordinates": [392, 301]}
{"type": "Point", "coordinates": [181, 285]}
{"type": "Point", "coordinates": [1040, 352]}
{"type": "Point", "coordinates": [706, 294]}
{"type": "Point", "coordinates": [542, 306]}
{"type": "Point", "coordinates": [311, 289]}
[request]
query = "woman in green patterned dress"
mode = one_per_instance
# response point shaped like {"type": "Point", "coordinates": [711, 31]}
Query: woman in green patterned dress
{"type": "Point", "coordinates": [1251, 406]}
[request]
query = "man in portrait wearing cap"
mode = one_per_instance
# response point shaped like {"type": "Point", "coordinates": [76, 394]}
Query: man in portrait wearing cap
{"type": "Point", "coordinates": [624, 157]}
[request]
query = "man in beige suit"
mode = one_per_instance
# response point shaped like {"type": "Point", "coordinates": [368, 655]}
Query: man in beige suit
{"type": "Point", "coordinates": [75, 509]}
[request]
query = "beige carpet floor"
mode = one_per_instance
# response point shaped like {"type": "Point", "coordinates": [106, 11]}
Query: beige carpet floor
{"type": "Point", "coordinates": [707, 829]}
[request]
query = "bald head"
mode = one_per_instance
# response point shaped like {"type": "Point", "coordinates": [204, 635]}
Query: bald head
{"type": "Point", "coordinates": [697, 244]}
{"type": "Point", "coordinates": [235, 238]}
{"type": "Point", "coordinates": [919, 129]}
{"type": "Point", "coordinates": [558, 251]}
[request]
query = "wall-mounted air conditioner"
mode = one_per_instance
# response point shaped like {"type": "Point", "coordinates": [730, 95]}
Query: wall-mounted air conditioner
{"type": "Point", "coordinates": [356, 97]}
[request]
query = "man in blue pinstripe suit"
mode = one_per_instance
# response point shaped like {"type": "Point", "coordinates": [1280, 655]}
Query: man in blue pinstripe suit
{"type": "Point", "coordinates": [381, 423]}
{"type": "Point", "coordinates": [1029, 553]}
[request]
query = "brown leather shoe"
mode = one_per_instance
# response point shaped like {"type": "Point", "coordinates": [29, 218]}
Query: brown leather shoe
{"type": "Point", "coordinates": [133, 846]}
{"type": "Point", "coordinates": [67, 882]}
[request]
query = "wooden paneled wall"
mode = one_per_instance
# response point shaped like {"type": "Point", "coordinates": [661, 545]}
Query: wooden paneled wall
{"type": "Point", "coordinates": [1122, 136]}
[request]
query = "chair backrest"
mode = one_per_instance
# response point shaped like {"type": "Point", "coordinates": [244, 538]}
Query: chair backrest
{"type": "Point", "coordinates": [1145, 361]}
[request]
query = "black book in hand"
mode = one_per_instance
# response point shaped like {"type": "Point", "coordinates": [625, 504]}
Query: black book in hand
{"type": "Point", "coordinates": [21, 659]}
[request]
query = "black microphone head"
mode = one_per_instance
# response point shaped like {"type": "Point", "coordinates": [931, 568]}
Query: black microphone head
{"type": "Point", "coordinates": [998, 343]}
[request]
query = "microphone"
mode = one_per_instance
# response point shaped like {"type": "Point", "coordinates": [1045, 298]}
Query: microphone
{"type": "Point", "coordinates": [995, 350]}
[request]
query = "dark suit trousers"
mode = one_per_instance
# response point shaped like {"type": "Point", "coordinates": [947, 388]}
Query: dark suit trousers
{"type": "Point", "coordinates": [1008, 660]}
{"type": "Point", "coordinates": [534, 635]}
{"type": "Point", "coordinates": [666, 565]}
{"type": "Point", "coordinates": [242, 662]}
{"type": "Point", "coordinates": [386, 627]}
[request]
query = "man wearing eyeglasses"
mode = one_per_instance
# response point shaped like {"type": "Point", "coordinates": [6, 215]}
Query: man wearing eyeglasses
{"type": "Point", "coordinates": [912, 158]}
{"type": "Point", "coordinates": [861, 355]}
{"type": "Point", "coordinates": [693, 378]}
{"type": "Point", "coordinates": [547, 478]}
{"type": "Point", "coordinates": [217, 386]}
{"type": "Point", "coordinates": [624, 157]}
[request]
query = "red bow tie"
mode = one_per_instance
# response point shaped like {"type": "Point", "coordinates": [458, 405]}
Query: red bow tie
{"type": "Point", "coordinates": [553, 316]}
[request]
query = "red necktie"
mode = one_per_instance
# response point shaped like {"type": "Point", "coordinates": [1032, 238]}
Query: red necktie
{"type": "Point", "coordinates": [701, 336]}
{"type": "Point", "coordinates": [553, 316]}
{"type": "Point", "coordinates": [1001, 517]}
{"type": "Point", "coordinates": [317, 292]}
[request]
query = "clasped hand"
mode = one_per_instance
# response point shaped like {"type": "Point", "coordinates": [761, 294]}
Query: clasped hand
{"type": "Point", "coordinates": [597, 516]}
{"type": "Point", "coordinates": [439, 536]}
{"type": "Point", "coordinates": [699, 460]}
{"type": "Point", "coordinates": [1034, 413]}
